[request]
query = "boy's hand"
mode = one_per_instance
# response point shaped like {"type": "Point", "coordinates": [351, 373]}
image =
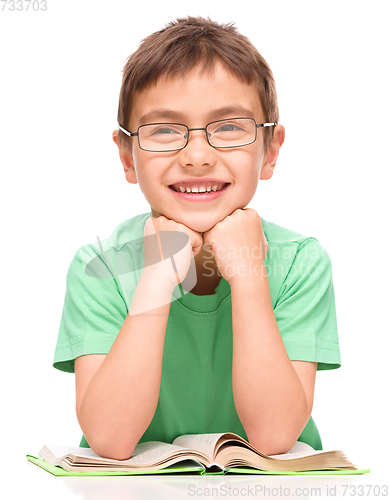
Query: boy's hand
{"type": "Point", "coordinates": [238, 243]}
{"type": "Point", "coordinates": [168, 254]}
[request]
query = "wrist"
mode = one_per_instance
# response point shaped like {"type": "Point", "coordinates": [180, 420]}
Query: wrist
{"type": "Point", "coordinates": [159, 278]}
{"type": "Point", "coordinates": [246, 273]}
{"type": "Point", "coordinates": [254, 287]}
{"type": "Point", "coordinates": [154, 290]}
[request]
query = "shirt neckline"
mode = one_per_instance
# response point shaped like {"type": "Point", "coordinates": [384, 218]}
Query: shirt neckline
{"type": "Point", "coordinates": [206, 303]}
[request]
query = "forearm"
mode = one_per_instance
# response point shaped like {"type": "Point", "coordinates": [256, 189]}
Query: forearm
{"type": "Point", "coordinates": [120, 401]}
{"type": "Point", "coordinates": [268, 394]}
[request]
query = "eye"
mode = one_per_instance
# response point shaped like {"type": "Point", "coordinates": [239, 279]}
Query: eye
{"type": "Point", "coordinates": [164, 130]}
{"type": "Point", "coordinates": [228, 127]}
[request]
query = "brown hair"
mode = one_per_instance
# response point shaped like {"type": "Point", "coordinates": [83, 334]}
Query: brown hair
{"type": "Point", "coordinates": [184, 44]}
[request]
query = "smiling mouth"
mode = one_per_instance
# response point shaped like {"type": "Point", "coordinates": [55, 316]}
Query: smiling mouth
{"type": "Point", "coordinates": [198, 187]}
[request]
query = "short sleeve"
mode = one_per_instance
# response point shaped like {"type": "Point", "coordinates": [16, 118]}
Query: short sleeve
{"type": "Point", "coordinates": [93, 313]}
{"type": "Point", "coordinates": [305, 309]}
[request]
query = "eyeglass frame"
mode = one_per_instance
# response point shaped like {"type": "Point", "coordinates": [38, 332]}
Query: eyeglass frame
{"type": "Point", "coordinates": [136, 134]}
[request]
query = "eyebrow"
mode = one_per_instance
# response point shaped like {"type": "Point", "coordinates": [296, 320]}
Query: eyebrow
{"type": "Point", "coordinates": [175, 116]}
{"type": "Point", "coordinates": [160, 114]}
{"type": "Point", "coordinates": [236, 111]}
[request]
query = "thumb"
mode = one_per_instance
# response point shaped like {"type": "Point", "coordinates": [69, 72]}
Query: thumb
{"type": "Point", "coordinates": [196, 240]}
{"type": "Point", "coordinates": [208, 243]}
{"type": "Point", "coordinates": [265, 241]}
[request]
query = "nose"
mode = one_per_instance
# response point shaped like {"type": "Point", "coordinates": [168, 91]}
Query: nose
{"type": "Point", "coordinates": [198, 151]}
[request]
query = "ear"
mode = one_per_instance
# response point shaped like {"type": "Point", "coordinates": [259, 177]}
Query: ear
{"type": "Point", "coordinates": [267, 169]}
{"type": "Point", "coordinates": [126, 157]}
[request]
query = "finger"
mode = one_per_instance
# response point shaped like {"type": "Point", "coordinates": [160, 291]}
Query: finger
{"type": "Point", "coordinates": [265, 244]}
{"type": "Point", "coordinates": [207, 242]}
{"type": "Point", "coordinates": [149, 228]}
{"type": "Point", "coordinates": [155, 224]}
{"type": "Point", "coordinates": [196, 240]}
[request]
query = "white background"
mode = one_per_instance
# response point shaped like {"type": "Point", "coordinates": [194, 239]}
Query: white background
{"type": "Point", "coordinates": [62, 185]}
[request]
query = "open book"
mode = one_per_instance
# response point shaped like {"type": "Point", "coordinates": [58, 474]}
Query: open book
{"type": "Point", "coordinates": [203, 453]}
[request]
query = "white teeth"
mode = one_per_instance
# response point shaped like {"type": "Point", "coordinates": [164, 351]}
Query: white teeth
{"type": "Point", "coordinates": [201, 189]}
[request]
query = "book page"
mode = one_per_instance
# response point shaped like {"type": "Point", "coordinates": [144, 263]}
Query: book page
{"type": "Point", "coordinates": [144, 453]}
{"type": "Point", "coordinates": [152, 452]}
{"type": "Point", "coordinates": [57, 452]}
{"type": "Point", "coordinates": [200, 442]}
{"type": "Point", "coordinates": [299, 450]}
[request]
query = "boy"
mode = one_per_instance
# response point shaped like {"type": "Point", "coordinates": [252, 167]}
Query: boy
{"type": "Point", "coordinates": [198, 128]}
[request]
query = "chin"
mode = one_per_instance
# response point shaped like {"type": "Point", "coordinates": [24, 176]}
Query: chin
{"type": "Point", "coordinates": [200, 226]}
{"type": "Point", "coordinates": [197, 222]}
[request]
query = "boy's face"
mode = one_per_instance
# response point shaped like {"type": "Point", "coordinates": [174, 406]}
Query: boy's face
{"type": "Point", "coordinates": [196, 100]}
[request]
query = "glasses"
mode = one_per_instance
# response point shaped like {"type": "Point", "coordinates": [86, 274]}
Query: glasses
{"type": "Point", "coordinates": [229, 133]}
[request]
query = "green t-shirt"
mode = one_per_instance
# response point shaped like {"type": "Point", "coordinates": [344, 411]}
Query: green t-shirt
{"type": "Point", "coordinates": [196, 382]}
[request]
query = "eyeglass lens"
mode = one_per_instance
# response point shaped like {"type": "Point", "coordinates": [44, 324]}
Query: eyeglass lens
{"type": "Point", "coordinates": [222, 134]}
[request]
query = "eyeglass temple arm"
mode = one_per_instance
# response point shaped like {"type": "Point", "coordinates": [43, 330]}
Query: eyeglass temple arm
{"type": "Point", "coordinates": [130, 134]}
{"type": "Point", "coordinates": [259, 125]}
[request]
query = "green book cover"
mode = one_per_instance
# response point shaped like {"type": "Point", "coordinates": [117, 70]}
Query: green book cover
{"type": "Point", "coordinates": [187, 467]}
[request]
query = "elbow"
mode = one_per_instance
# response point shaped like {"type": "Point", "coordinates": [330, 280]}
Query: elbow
{"type": "Point", "coordinates": [275, 446]}
{"type": "Point", "coordinates": [278, 433]}
{"type": "Point", "coordinates": [112, 450]}
{"type": "Point", "coordinates": [105, 442]}
{"type": "Point", "coordinates": [276, 440]}
{"type": "Point", "coordinates": [109, 445]}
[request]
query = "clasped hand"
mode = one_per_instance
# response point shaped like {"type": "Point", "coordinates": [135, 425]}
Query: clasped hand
{"type": "Point", "coordinates": [237, 243]}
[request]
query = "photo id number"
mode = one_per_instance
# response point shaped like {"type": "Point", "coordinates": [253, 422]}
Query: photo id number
{"type": "Point", "coordinates": [373, 490]}
{"type": "Point", "coordinates": [23, 5]}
